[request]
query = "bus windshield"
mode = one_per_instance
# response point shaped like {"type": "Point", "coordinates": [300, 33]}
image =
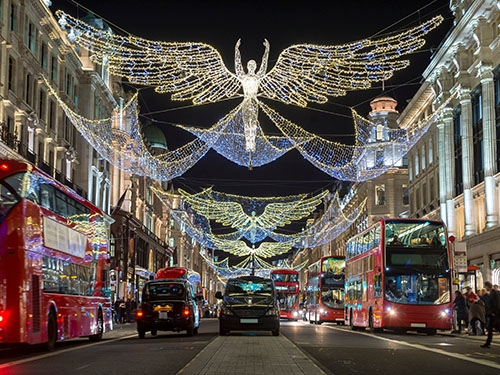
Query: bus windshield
{"type": "Point", "coordinates": [416, 263]}
{"type": "Point", "coordinates": [10, 190]}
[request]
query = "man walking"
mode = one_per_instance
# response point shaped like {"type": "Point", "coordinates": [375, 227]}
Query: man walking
{"type": "Point", "coordinates": [492, 312]}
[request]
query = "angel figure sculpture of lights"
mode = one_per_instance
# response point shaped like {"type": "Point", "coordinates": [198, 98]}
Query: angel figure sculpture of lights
{"type": "Point", "coordinates": [303, 73]}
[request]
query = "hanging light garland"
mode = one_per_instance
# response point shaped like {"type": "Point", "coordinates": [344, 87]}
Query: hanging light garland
{"type": "Point", "coordinates": [252, 214]}
{"type": "Point", "coordinates": [337, 217]}
{"type": "Point", "coordinates": [303, 73]}
{"type": "Point", "coordinates": [259, 267]}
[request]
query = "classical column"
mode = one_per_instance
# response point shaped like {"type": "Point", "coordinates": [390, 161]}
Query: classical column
{"type": "Point", "coordinates": [442, 172]}
{"type": "Point", "coordinates": [467, 162]}
{"type": "Point", "coordinates": [449, 163]}
{"type": "Point", "coordinates": [489, 141]}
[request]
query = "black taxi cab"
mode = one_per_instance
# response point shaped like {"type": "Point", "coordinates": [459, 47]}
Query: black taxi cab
{"type": "Point", "coordinates": [168, 305]}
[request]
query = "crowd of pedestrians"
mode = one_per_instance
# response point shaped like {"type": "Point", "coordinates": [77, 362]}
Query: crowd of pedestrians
{"type": "Point", "coordinates": [124, 310]}
{"type": "Point", "coordinates": [478, 314]}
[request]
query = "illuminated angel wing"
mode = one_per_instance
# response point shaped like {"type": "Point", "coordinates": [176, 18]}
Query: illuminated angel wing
{"type": "Point", "coordinates": [232, 214]}
{"type": "Point", "coordinates": [190, 71]}
{"type": "Point", "coordinates": [264, 250]}
{"type": "Point", "coordinates": [312, 73]}
{"type": "Point", "coordinates": [195, 71]}
{"type": "Point", "coordinates": [282, 213]}
{"type": "Point", "coordinates": [227, 213]}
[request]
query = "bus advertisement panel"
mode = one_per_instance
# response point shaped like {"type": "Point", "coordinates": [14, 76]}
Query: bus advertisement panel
{"type": "Point", "coordinates": [325, 290]}
{"type": "Point", "coordinates": [286, 282]}
{"type": "Point", "coordinates": [54, 261]}
{"type": "Point", "coordinates": [399, 277]}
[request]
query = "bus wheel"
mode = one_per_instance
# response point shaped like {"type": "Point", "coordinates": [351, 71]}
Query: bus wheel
{"type": "Point", "coordinates": [100, 328]}
{"type": "Point", "coordinates": [51, 330]}
{"type": "Point", "coordinates": [431, 331]}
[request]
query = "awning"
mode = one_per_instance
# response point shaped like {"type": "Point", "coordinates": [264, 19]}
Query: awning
{"type": "Point", "coordinates": [140, 271]}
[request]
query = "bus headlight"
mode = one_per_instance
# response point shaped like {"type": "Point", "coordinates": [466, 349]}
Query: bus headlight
{"type": "Point", "coordinates": [445, 313]}
{"type": "Point", "coordinates": [390, 311]}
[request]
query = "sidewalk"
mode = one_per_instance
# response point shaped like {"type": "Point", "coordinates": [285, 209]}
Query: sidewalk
{"type": "Point", "coordinates": [250, 355]}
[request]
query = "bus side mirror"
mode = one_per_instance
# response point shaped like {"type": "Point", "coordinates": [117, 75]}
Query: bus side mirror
{"type": "Point", "coordinates": [218, 295]}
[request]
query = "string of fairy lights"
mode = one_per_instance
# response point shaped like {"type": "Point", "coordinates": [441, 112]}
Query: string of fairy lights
{"type": "Point", "coordinates": [253, 217]}
{"type": "Point", "coordinates": [337, 216]}
{"type": "Point", "coordinates": [303, 74]}
{"type": "Point", "coordinates": [118, 139]}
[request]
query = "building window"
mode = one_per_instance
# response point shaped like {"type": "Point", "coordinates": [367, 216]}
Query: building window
{"type": "Point", "coordinates": [30, 36]}
{"type": "Point", "coordinates": [406, 195]}
{"type": "Point", "coordinates": [44, 56]}
{"type": "Point", "coordinates": [380, 195]}
{"type": "Point", "coordinates": [497, 112]}
{"type": "Point", "coordinates": [13, 18]}
{"type": "Point", "coordinates": [53, 68]}
{"type": "Point", "coordinates": [52, 115]}
{"type": "Point", "coordinates": [41, 105]}
{"type": "Point", "coordinates": [416, 164]}
{"type": "Point", "coordinates": [12, 73]}
{"type": "Point", "coordinates": [171, 242]}
{"type": "Point", "coordinates": [423, 157]}
{"type": "Point", "coordinates": [457, 141]}
{"type": "Point", "coordinates": [477, 135]}
{"type": "Point", "coordinates": [431, 151]}
{"type": "Point", "coordinates": [28, 90]}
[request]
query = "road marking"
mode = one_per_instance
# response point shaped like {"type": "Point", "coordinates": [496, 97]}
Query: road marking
{"type": "Point", "coordinates": [57, 352]}
{"type": "Point", "coordinates": [421, 347]}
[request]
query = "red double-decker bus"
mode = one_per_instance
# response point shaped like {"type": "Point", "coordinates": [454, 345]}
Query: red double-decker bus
{"type": "Point", "coordinates": [286, 282]}
{"type": "Point", "coordinates": [325, 290]}
{"type": "Point", "coordinates": [399, 277]}
{"type": "Point", "coordinates": [182, 273]}
{"type": "Point", "coordinates": [54, 272]}
{"type": "Point", "coordinates": [186, 274]}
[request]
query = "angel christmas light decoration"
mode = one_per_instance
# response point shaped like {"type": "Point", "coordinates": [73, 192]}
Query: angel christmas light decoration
{"type": "Point", "coordinates": [303, 73]}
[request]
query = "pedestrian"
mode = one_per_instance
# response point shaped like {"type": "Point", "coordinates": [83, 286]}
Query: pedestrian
{"type": "Point", "coordinates": [123, 311]}
{"type": "Point", "coordinates": [460, 308]}
{"type": "Point", "coordinates": [485, 297]}
{"type": "Point", "coordinates": [493, 312]}
{"type": "Point", "coordinates": [477, 316]}
{"type": "Point", "coordinates": [117, 310]}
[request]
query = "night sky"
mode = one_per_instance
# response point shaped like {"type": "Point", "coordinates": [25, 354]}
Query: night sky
{"type": "Point", "coordinates": [282, 23]}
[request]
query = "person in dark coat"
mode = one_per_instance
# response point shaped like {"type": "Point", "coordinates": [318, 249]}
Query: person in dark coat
{"type": "Point", "coordinates": [493, 312]}
{"type": "Point", "coordinates": [477, 316]}
{"type": "Point", "coordinates": [460, 308]}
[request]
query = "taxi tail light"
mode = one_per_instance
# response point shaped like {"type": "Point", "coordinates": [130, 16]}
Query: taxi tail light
{"type": "Point", "coordinates": [186, 311]}
{"type": "Point", "coordinates": [139, 314]}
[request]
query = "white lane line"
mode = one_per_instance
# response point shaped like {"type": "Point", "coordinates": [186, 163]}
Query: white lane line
{"type": "Point", "coordinates": [57, 352]}
{"type": "Point", "coordinates": [421, 347]}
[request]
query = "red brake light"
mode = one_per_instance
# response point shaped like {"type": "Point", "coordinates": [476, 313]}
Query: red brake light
{"type": "Point", "coordinates": [139, 313]}
{"type": "Point", "coordinates": [4, 167]}
{"type": "Point", "coordinates": [186, 311]}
